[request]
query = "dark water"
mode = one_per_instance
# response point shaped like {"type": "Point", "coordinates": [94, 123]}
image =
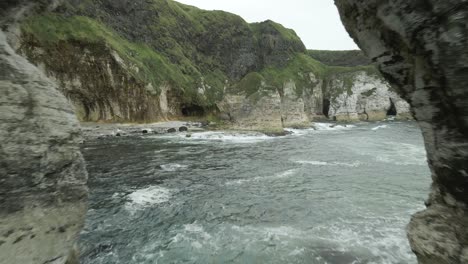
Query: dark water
{"type": "Point", "coordinates": [338, 196]}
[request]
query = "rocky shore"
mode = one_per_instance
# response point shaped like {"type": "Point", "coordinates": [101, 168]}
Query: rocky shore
{"type": "Point", "coordinates": [103, 130]}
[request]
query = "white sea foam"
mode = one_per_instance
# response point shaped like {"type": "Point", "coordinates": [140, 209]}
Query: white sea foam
{"type": "Point", "coordinates": [382, 239]}
{"type": "Point", "coordinates": [148, 196]}
{"type": "Point", "coordinates": [219, 136]}
{"type": "Point", "coordinates": [194, 234]}
{"type": "Point", "coordinates": [173, 167]}
{"type": "Point", "coordinates": [379, 127]}
{"type": "Point", "coordinates": [331, 127]}
{"type": "Point", "coordinates": [378, 239]}
{"type": "Point", "coordinates": [193, 228]}
{"type": "Point", "coordinates": [324, 163]}
{"type": "Point", "coordinates": [232, 137]}
{"type": "Point", "coordinates": [279, 175]}
{"type": "Point", "coordinates": [402, 154]}
{"type": "Point", "coordinates": [299, 132]}
{"type": "Point", "coordinates": [297, 251]}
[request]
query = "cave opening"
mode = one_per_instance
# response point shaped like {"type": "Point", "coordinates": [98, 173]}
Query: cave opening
{"type": "Point", "coordinates": [192, 110]}
{"type": "Point", "coordinates": [392, 111]}
{"type": "Point", "coordinates": [326, 107]}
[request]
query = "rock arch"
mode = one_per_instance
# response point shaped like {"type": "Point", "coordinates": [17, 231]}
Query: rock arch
{"type": "Point", "coordinates": [421, 47]}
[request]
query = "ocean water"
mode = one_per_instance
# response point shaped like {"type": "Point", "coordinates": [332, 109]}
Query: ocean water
{"type": "Point", "coordinates": [340, 195]}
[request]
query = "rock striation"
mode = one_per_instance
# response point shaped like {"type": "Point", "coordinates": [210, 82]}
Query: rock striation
{"type": "Point", "coordinates": [421, 48]}
{"type": "Point", "coordinates": [43, 193]}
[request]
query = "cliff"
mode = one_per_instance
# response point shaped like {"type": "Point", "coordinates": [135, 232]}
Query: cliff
{"type": "Point", "coordinates": [144, 61]}
{"type": "Point", "coordinates": [43, 193]}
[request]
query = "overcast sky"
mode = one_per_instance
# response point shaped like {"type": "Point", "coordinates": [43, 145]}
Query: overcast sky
{"type": "Point", "coordinates": [316, 21]}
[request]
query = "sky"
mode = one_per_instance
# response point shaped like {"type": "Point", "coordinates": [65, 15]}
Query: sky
{"type": "Point", "coordinates": [317, 22]}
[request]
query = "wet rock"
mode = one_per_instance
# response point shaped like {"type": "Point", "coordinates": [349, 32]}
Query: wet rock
{"type": "Point", "coordinates": [183, 129]}
{"type": "Point", "coordinates": [144, 131]}
{"type": "Point", "coordinates": [188, 135]}
{"type": "Point", "coordinates": [171, 130]}
{"type": "Point", "coordinates": [421, 48]}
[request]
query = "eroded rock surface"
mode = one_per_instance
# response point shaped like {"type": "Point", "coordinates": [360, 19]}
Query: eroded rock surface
{"type": "Point", "coordinates": [421, 47]}
{"type": "Point", "coordinates": [43, 189]}
{"type": "Point", "coordinates": [368, 98]}
{"type": "Point", "coordinates": [256, 112]}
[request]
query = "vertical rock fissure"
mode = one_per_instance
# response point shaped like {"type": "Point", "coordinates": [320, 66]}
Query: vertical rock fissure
{"type": "Point", "coordinates": [392, 111]}
{"type": "Point", "coordinates": [326, 107]}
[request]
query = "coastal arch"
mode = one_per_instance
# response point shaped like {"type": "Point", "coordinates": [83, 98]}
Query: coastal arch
{"type": "Point", "coordinates": [414, 53]}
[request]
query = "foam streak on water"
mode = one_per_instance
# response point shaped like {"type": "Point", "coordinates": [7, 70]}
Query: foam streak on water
{"type": "Point", "coordinates": [325, 195]}
{"type": "Point", "coordinates": [147, 197]}
{"type": "Point", "coordinates": [220, 137]}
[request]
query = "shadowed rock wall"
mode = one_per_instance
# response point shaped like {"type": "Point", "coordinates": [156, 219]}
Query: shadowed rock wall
{"type": "Point", "coordinates": [421, 47]}
{"type": "Point", "coordinates": [43, 189]}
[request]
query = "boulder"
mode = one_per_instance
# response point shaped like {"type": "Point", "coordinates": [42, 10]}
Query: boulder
{"type": "Point", "coordinates": [183, 129]}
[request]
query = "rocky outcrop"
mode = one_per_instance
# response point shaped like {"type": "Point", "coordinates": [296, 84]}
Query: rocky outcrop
{"type": "Point", "coordinates": [421, 48]}
{"type": "Point", "coordinates": [343, 96]}
{"type": "Point", "coordinates": [293, 111]}
{"type": "Point", "coordinates": [43, 191]}
{"type": "Point", "coordinates": [271, 108]}
{"type": "Point", "coordinates": [259, 112]}
{"type": "Point", "coordinates": [363, 96]}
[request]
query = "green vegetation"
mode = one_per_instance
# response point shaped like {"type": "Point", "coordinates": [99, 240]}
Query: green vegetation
{"type": "Point", "coordinates": [347, 75]}
{"type": "Point", "coordinates": [297, 70]}
{"type": "Point", "coordinates": [144, 63]}
{"type": "Point", "coordinates": [273, 27]}
{"type": "Point", "coordinates": [197, 52]}
{"type": "Point", "coordinates": [346, 58]}
{"type": "Point", "coordinates": [152, 67]}
{"type": "Point", "coordinates": [249, 85]}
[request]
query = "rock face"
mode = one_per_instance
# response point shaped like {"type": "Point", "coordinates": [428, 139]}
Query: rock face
{"type": "Point", "coordinates": [349, 96]}
{"type": "Point", "coordinates": [43, 191]}
{"type": "Point", "coordinates": [421, 48]}
{"type": "Point", "coordinates": [99, 83]}
{"type": "Point", "coordinates": [369, 98]}
{"type": "Point", "coordinates": [256, 112]}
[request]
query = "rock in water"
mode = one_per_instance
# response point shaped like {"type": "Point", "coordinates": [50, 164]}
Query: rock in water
{"type": "Point", "coordinates": [183, 129]}
{"type": "Point", "coordinates": [171, 130]}
{"type": "Point", "coordinates": [43, 191]}
{"type": "Point", "coordinates": [421, 47]}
